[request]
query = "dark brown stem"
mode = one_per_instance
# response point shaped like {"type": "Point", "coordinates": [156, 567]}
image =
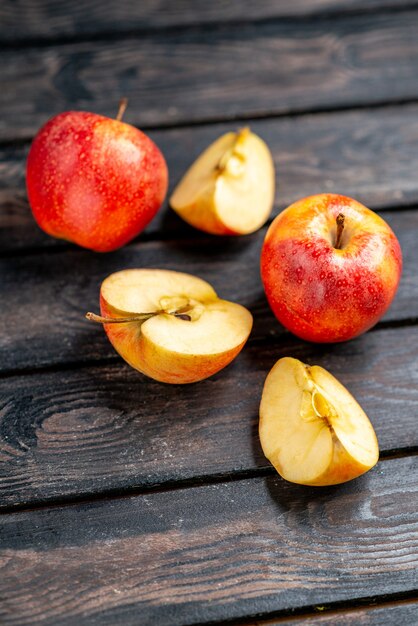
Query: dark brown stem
{"type": "Point", "coordinates": [139, 317]}
{"type": "Point", "coordinates": [123, 103]}
{"type": "Point", "coordinates": [340, 227]}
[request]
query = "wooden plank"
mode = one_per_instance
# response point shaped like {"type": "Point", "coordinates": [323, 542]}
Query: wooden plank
{"type": "Point", "coordinates": [402, 613]}
{"type": "Point", "coordinates": [27, 19]}
{"type": "Point", "coordinates": [371, 155]}
{"type": "Point", "coordinates": [216, 74]}
{"type": "Point", "coordinates": [103, 429]}
{"type": "Point", "coordinates": [47, 296]}
{"type": "Point", "coordinates": [211, 553]}
{"type": "Point", "coordinates": [18, 229]}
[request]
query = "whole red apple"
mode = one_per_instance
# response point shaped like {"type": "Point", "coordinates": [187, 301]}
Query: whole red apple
{"type": "Point", "coordinates": [330, 268]}
{"type": "Point", "coordinates": [93, 180]}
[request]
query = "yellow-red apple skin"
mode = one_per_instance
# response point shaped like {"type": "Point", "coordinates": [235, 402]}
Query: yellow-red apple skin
{"type": "Point", "coordinates": [156, 362]}
{"type": "Point", "coordinates": [322, 294]}
{"type": "Point", "coordinates": [202, 215]}
{"type": "Point", "coordinates": [342, 468]}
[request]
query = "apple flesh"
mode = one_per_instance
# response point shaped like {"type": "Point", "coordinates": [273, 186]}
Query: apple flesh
{"type": "Point", "coordinates": [169, 325]}
{"type": "Point", "coordinates": [327, 282]}
{"type": "Point", "coordinates": [229, 189]}
{"type": "Point", "coordinates": [93, 180]}
{"type": "Point", "coordinates": [311, 428]}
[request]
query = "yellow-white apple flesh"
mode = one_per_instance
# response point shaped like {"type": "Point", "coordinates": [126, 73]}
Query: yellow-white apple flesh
{"type": "Point", "coordinates": [311, 428]}
{"type": "Point", "coordinates": [189, 333]}
{"type": "Point", "coordinates": [229, 189]}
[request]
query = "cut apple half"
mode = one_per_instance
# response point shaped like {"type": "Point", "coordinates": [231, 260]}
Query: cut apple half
{"type": "Point", "coordinates": [229, 189]}
{"type": "Point", "coordinates": [169, 325]}
{"type": "Point", "coordinates": [311, 428]}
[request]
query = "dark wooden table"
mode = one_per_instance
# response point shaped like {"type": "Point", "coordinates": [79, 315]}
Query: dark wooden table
{"type": "Point", "coordinates": [128, 502]}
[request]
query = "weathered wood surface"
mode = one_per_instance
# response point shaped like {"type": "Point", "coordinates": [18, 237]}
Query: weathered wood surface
{"type": "Point", "coordinates": [103, 429]}
{"type": "Point", "coordinates": [216, 74]}
{"type": "Point", "coordinates": [212, 534]}
{"type": "Point", "coordinates": [371, 155]}
{"type": "Point", "coordinates": [42, 19]}
{"type": "Point", "coordinates": [44, 298]}
{"type": "Point", "coordinates": [401, 613]}
{"type": "Point", "coordinates": [211, 553]}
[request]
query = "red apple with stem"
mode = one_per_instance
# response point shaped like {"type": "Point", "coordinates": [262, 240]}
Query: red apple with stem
{"type": "Point", "coordinates": [94, 180]}
{"type": "Point", "coordinates": [330, 268]}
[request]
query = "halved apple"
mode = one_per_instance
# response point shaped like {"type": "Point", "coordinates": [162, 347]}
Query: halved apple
{"type": "Point", "coordinates": [169, 325]}
{"type": "Point", "coordinates": [229, 189]}
{"type": "Point", "coordinates": [311, 428]}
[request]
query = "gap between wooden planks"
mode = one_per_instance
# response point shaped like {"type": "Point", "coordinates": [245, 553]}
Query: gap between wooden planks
{"type": "Point", "coordinates": [371, 155]}
{"type": "Point", "coordinates": [26, 22]}
{"type": "Point", "coordinates": [212, 553]}
{"type": "Point", "coordinates": [100, 429]}
{"type": "Point", "coordinates": [398, 612]}
{"type": "Point", "coordinates": [216, 74]}
{"type": "Point", "coordinates": [45, 296]}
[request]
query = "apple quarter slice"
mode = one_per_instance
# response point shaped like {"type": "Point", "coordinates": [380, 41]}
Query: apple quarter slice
{"type": "Point", "coordinates": [229, 189]}
{"type": "Point", "coordinates": [311, 428]}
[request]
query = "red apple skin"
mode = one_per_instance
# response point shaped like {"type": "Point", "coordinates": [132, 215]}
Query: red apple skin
{"type": "Point", "coordinates": [93, 180]}
{"type": "Point", "coordinates": [322, 294]}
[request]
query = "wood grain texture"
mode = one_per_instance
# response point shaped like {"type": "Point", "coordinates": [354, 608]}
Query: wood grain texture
{"type": "Point", "coordinates": [42, 19]}
{"type": "Point", "coordinates": [371, 155]}
{"type": "Point", "coordinates": [85, 425]}
{"type": "Point", "coordinates": [103, 429]}
{"type": "Point", "coordinates": [44, 298]}
{"type": "Point", "coordinates": [402, 613]}
{"type": "Point", "coordinates": [211, 553]}
{"type": "Point", "coordinates": [218, 74]}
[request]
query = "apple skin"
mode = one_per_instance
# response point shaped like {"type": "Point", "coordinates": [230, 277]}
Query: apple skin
{"type": "Point", "coordinates": [93, 180]}
{"type": "Point", "coordinates": [156, 362]}
{"type": "Point", "coordinates": [343, 468]}
{"type": "Point", "coordinates": [320, 293]}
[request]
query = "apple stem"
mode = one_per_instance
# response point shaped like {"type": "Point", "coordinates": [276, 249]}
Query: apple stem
{"type": "Point", "coordinates": [123, 103]}
{"type": "Point", "coordinates": [340, 227]}
{"type": "Point", "coordinates": [139, 317]}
